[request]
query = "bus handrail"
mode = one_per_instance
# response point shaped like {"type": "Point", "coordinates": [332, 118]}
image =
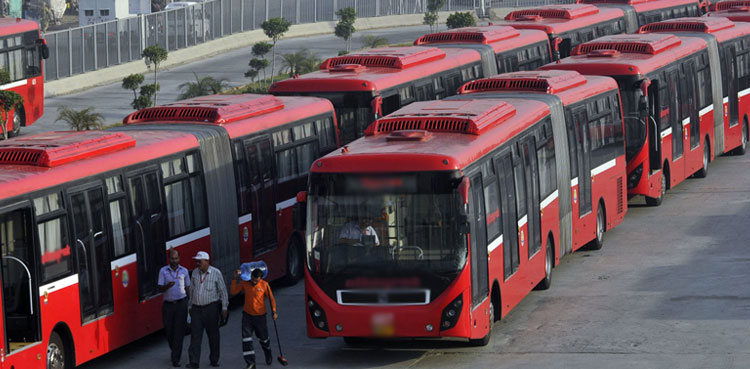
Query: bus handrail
{"type": "Point", "coordinates": [28, 273]}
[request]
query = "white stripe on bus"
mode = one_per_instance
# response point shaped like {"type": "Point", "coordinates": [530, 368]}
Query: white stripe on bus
{"type": "Point", "coordinates": [246, 218]}
{"type": "Point", "coordinates": [548, 200]}
{"type": "Point", "coordinates": [495, 244]}
{"type": "Point", "coordinates": [190, 237]}
{"type": "Point", "coordinates": [666, 132]}
{"type": "Point", "coordinates": [522, 222]}
{"type": "Point", "coordinates": [603, 167]}
{"type": "Point", "coordinates": [744, 92]}
{"type": "Point", "coordinates": [123, 261]}
{"type": "Point", "coordinates": [59, 284]}
{"type": "Point", "coordinates": [685, 122]}
{"type": "Point", "coordinates": [286, 203]}
{"type": "Point", "coordinates": [13, 84]}
{"type": "Point", "coordinates": [707, 109]}
{"type": "Point", "coordinates": [726, 100]}
{"type": "Point", "coordinates": [574, 182]}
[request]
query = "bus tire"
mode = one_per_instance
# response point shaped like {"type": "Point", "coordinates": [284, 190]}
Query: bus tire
{"type": "Point", "coordinates": [656, 201]}
{"type": "Point", "coordinates": [743, 147]}
{"type": "Point", "coordinates": [703, 172]}
{"type": "Point", "coordinates": [486, 339]}
{"type": "Point", "coordinates": [17, 123]}
{"type": "Point", "coordinates": [294, 262]}
{"type": "Point", "coordinates": [58, 355]}
{"type": "Point", "coordinates": [549, 261]}
{"type": "Point", "coordinates": [601, 227]}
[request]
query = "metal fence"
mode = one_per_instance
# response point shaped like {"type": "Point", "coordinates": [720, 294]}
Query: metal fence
{"type": "Point", "coordinates": [84, 49]}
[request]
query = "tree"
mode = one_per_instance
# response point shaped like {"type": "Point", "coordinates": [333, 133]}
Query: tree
{"type": "Point", "coordinates": [144, 99]}
{"type": "Point", "coordinates": [299, 62]}
{"type": "Point", "coordinates": [275, 28]}
{"type": "Point", "coordinates": [155, 54]}
{"type": "Point", "coordinates": [202, 87]}
{"type": "Point", "coordinates": [132, 82]}
{"type": "Point", "coordinates": [431, 15]}
{"type": "Point", "coordinates": [458, 20]}
{"type": "Point", "coordinates": [258, 62]}
{"type": "Point", "coordinates": [371, 41]}
{"type": "Point", "coordinates": [345, 26]}
{"type": "Point", "coordinates": [9, 101]}
{"type": "Point", "coordinates": [80, 120]}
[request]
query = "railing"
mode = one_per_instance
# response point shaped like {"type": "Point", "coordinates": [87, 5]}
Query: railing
{"type": "Point", "coordinates": [97, 46]}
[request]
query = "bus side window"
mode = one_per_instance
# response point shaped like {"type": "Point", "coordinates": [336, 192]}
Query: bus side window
{"type": "Point", "coordinates": [307, 146]}
{"type": "Point", "coordinates": [326, 134]}
{"type": "Point", "coordinates": [520, 184]}
{"type": "Point", "coordinates": [546, 156]}
{"type": "Point", "coordinates": [118, 210]}
{"type": "Point", "coordinates": [55, 250]}
{"type": "Point", "coordinates": [185, 195]}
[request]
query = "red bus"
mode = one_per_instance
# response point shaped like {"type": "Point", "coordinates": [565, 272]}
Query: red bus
{"type": "Point", "coordinates": [86, 218]}
{"type": "Point", "coordinates": [365, 85]}
{"type": "Point", "coordinates": [727, 7]}
{"type": "Point", "coordinates": [668, 101]}
{"type": "Point", "coordinates": [733, 43]}
{"type": "Point", "coordinates": [642, 12]}
{"type": "Point", "coordinates": [513, 49]}
{"type": "Point", "coordinates": [592, 121]}
{"type": "Point", "coordinates": [456, 234]}
{"type": "Point", "coordinates": [569, 25]}
{"type": "Point", "coordinates": [22, 49]}
{"type": "Point", "coordinates": [267, 145]}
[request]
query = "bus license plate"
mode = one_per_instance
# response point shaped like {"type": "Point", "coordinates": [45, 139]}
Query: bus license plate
{"type": "Point", "coordinates": [382, 325]}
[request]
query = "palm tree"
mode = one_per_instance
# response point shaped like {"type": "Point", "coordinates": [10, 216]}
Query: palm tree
{"type": "Point", "coordinates": [80, 120]}
{"type": "Point", "coordinates": [202, 87]}
{"type": "Point", "coordinates": [299, 62]}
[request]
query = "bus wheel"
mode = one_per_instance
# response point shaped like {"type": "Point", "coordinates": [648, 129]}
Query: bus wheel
{"type": "Point", "coordinates": [15, 130]}
{"type": "Point", "coordinates": [743, 147]}
{"type": "Point", "coordinates": [294, 262]}
{"type": "Point", "coordinates": [545, 283]}
{"type": "Point", "coordinates": [601, 227]}
{"type": "Point", "coordinates": [57, 357]}
{"type": "Point", "coordinates": [656, 201]}
{"type": "Point", "coordinates": [486, 339]}
{"type": "Point", "coordinates": [703, 172]}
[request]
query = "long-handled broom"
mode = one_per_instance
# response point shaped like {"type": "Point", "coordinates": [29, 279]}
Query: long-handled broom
{"type": "Point", "coordinates": [281, 357]}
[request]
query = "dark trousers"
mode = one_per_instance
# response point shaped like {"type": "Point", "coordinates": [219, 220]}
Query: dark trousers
{"type": "Point", "coordinates": [259, 325]}
{"type": "Point", "coordinates": [174, 316]}
{"type": "Point", "coordinates": [205, 317]}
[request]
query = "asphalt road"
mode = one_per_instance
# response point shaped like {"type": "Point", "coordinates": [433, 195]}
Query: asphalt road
{"type": "Point", "coordinates": [668, 290]}
{"type": "Point", "coordinates": [113, 102]}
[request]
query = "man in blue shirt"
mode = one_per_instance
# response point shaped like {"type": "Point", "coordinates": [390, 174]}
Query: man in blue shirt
{"type": "Point", "coordinates": [174, 283]}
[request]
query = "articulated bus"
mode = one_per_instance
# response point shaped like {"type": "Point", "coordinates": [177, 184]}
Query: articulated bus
{"type": "Point", "coordinates": [365, 85]}
{"type": "Point", "coordinates": [593, 123]}
{"type": "Point", "coordinates": [457, 233]}
{"type": "Point", "coordinates": [733, 43]}
{"type": "Point", "coordinates": [514, 49]}
{"type": "Point", "coordinates": [669, 87]}
{"type": "Point", "coordinates": [86, 218]}
{"type": "Point", "coordinates": [642, 12]}
{"type": "Point", "coordinates": [569, 25]}
{"type": "Point", "coordinates": [22, 49]}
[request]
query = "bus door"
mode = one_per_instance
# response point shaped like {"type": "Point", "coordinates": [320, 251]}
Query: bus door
{"type": "Point", "coordinates": [528, 150]}
{"type": "Point", "coordinates": [653, 124]}
{"type": "Point", "coordinates": [674, 86]}
{"type": "Point", "coordinates": [581, 120]}
{"type": "Point", "coordinates": [148, 225]}
{"type": "Point", "coordinates": [20, 296]}
{"type": "Point", "coordinates": [732, 85]}
{"type": "Point", "coordinates": [479, 263]}
{"type": "Point", "coordinates": [91, 236]}
{"type": "Point", "coordinates": [508, 215]}
{"type": "Point", "coordinates": [691, 103]}
{"type": "Point", "coordinates": [261, 165]}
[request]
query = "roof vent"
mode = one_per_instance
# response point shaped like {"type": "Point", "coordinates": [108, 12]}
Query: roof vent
{"type": "Point", "coordinates": [480, 35]}
{"type": "Point", "coordinates": [701, 25]}
{"type": "Point", "coordinates": [729, 4]}
{"type": "Point", "coordinates": [457, 116]}
{"type": "Point", "coordinates": [603, 53]}
{"type": "Point", "coordinates": [214, 109]}
{"type": "Point", "coordinates": [739, 9]}
{"type": "Point", "coordinates": [622, 2]}
{"type": "Point", "coordinates": [389, 57]}
{"type": "Point", "coordinates": [52, 149]}
{"type": "Point", "coordinates": [417, 135]}
{"type": "Point", "coordinates": [653, 43]}
{"type": "Point", "coordinates": [550, 82]}
{"type": "Point", "coordinates": [566, 11]}
{"type": "Point", "coordinates": [347, 68]}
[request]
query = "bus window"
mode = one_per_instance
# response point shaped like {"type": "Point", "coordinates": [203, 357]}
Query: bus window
{"type": "Point", "coordinates": [53, 241]}
{"type": "Point", "coordinates": [185, 195]}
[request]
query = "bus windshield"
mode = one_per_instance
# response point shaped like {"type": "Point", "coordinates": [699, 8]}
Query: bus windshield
{"type": "Point", "coordinates": [385, 226]}
{"type": "Point", "coordinates": [635, 120]}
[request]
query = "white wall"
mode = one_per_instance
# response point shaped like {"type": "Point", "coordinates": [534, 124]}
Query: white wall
{"type": "Point", "coordinates": [97, 11]}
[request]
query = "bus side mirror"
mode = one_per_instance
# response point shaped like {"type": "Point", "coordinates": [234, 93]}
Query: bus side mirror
{"type": "Point", "coordinates": [642, 103]}
{"type": "Point", "coordinates": [43, 48]}
{"type": "Point", "coordinates": [463, 224]}
{"type": "Point", "coordinates": [299, 212]}
{"type": "Point", "coordinates": [302, 197]}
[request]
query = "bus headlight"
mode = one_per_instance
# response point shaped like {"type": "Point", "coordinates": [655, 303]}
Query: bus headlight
{"type": "Point", "coordinates": [317, 314]}
{"type": "Point", "coordinates": [451, 313]}
{"type": "Point", "coordinates": [635, 176]}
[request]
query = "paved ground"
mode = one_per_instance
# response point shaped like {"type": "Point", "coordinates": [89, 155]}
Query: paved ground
{"type": "Point", "coordinates": [668, 290]}
{"type": "Point", "coordinates": [114, 102]}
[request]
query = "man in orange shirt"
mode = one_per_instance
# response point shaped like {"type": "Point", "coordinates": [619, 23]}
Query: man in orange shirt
{"type": "Point", "coordinates": [254, 314]}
